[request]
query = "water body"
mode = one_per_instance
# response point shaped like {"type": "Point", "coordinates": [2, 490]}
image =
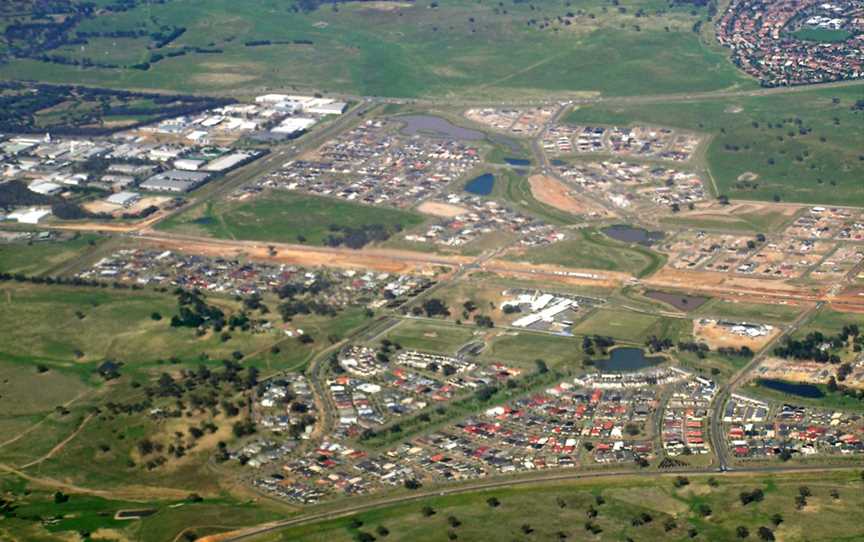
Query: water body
{"type": "Point", "coordinates": [630, 234]}
{"type": "Point", "coordinates": [626, 360]}
{"type": "Point", "coordinates": [808, 391]}
{"type": "Point", "coordinates": [429, 125]}
{"type": "Point", "coordinates": [558, 162]}
{"type": "Point", "coordinates": [482, 185]}
{"type": "Point", "coordinates": [679, 301]}
{"type": "Point", "coordinates": [522, 162]}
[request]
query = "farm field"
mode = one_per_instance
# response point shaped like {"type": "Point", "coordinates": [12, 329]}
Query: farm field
{"type": "Point", "coordinates": [799, 147]}
{"type": "Point", "coordinates": [540, 513]}
{"type": "Point", "coordinates": [590, 249]}
{"type": "Point", "coordinates": [287, 217]}
{"type": "Point", "coordinates": [451, 48]}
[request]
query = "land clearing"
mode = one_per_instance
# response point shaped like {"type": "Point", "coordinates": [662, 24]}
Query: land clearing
{"type": "Point", "coordinates": [553, 192]}
{"type": "Point", "coordinates": [437, 208]}
{"type": "Point", "coordinates": [720, 336]}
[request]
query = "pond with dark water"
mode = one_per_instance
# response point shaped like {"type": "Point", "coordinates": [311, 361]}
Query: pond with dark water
{"type": "Point", "coordinates": [482, 185]}
{"type": "Point", "coordinates": [429, 125]}
{"type": "Point", "coordinates": [632, 234]}
{"type": "Point", "coordinates": [521, 162]}
{"type": "Point", "coordinates": [679, 301]}
{"type": "Point", "coordinates": [626, 360]}
{"type": "Point", "coordinates": [808, 391]}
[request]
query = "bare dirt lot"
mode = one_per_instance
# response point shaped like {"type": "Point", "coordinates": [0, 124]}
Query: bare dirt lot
{"type": "Point", "coordinates": [388, 260]}
{"type": "Point", "coordinates": [717, 336]}
{"type": "Point", "coordinates": [445, 210]}
{"type": "Point", "coordinates": [556, 194]}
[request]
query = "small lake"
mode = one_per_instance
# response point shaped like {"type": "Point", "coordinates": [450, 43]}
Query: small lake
{"type": "Point", "coordinates": [558, 163]}
{"type": "Point", "coordinates": [808, 391]}
{"type": "Point", "coordinates": [625, 360]}
{"type": "Point", "coordinates": [630, 234]}
{"type": "Point", "coordinates": [482, 185]}
{"type": "Point", "coordinates": [429, 125]}
{"type": "Point", "coordinates": [520, 162]}
{"type": "Point", "coordinates": [679, 301]}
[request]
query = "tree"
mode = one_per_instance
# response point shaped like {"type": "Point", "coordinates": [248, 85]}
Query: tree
{"type": "Point", "coordinates": [382, 531]}
{"type": "Point", "coordinates": [412, 484]}
{"type": "Point", "coordinates": [766, 534]}
{"type": "Point", "coordinates": [427, 511]}
{"type": "Point", "coordinates": [495, 503]}
{"type": "Point", "coordinates": [704, 510]}
{"type": "Point", "coordinates": [681, 481]}
{"type": "Point", "coordinates": [742, 532]}
{"type": "Point", "coordinates": [60, 497]}
{"type": "Point", "coordinates": [776, 519]}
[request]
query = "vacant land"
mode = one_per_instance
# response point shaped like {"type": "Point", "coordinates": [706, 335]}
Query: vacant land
{"type": "Point", "coordinates": [799, 147]}
{"type": "Point", "coordinates": [440, 49]}
{"type": "Point", "coordinates": [288, 217]}
{"type": "Point", "coordinates": [743, 217]}
{"type": "Point", "coordinates": [525, 347]}
{"type": "Point", "coordinates": [590, 249]}
{"type": "Point", "coordinates": [540, 513]}
{"type": "Point", "coordinates": [44, 256]}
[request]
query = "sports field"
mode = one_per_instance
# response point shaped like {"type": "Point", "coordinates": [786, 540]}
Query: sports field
{"type": "Point", "coordinates": [803, 146]}
{"type": "Point", "coordinates": [444, 48]}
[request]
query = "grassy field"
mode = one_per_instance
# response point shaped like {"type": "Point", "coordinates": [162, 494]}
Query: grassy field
{"type": "Point", "coordinates": [431, 336]}
{"type": "Point", "coordinates": [286, 217]}
{"type": "Point", "coordinates": [633, 327]}
{"type": "Point", "coordinates": [829, 322]}
{"type": "Point", "coordinates": [755, 312]}
{"type": "Point", "coordinates": [43, 256]}
{"type": "Point", "coordinates": [525, 347]}
{"type": "Point", "coordinates": [801, 147]}
{"type": "Point", "coordinates": [48, 324]}
{"type": "Point", "coordinates": [590, 249]}
{"type": "Point", "coordinates": [761, 221]}
{"type": "Point", "coordinates": [675, 514]}
{"type": "Point", "coordinates": [450, 47]}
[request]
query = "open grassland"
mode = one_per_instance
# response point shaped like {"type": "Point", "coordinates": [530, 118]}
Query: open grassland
{"type": "Point", "coordinates": [44, 256]}
{"type": "Point", "coordinates": [450, 47]}
{"type": "Point", "coordinates": [96, 515]}
{"type": "Point", "coordinates": [799, 147]}
{"type": "Point", "coordinates": [590, 249]}
{"type": "Point", "coordinates": [749, 312]}
{"type": "Point", "coordinates": [633, 327]}
{"type": "Point", "coordinates": [76, 328]}
{"type": "Point", "coordinates": [287, 217]}
{"type": "Point", "coordinates": [541, 512]}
